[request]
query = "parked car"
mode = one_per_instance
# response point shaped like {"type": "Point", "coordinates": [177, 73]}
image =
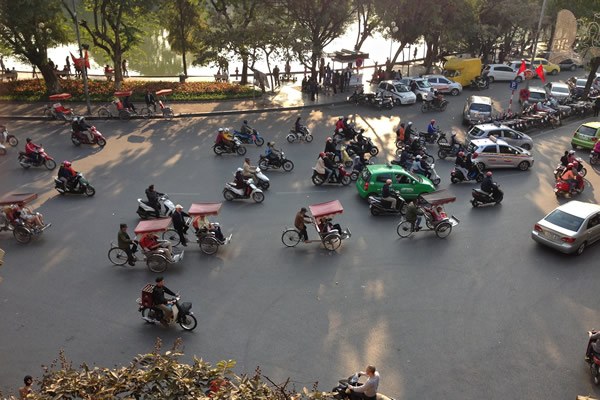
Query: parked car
{"type": "Point", "coordinates": [558, 90]}
{"type": "Point", "coordinates": [586, 135]}
{"type": "Point", "coordinates": [549, 67]}
{"type": "Point", "coordinates": [516, 65]}
{"type": "Point", "coordinates": [499, 131]}
{"type": "Point", "coordinates": [501, 72]}
{"type": "Point", "coordinates": [569, 65]}
{"type": "Point", "coordinates": [496, 153]}
{"type": "Point", "coordinates": [536, 94]}
{"type": "Point", "coordinates": [409, 185]}
{"type": "Point", "coordinates": [419, 86]}
{"type": "Point", "coordinates": [443, 84]}
{"type": "Point", "coordinates": [399, 92]}
{"type": "Point", "coordinates": [477, 109]}
{"type": "Point", "coordinates": [569, 228]}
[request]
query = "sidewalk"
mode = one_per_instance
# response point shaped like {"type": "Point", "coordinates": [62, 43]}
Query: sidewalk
{"type": "Point", "coordinates": [287, 97]}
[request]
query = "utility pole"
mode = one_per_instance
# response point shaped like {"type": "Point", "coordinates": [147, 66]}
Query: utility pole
{"type": "Point", "coordinates": [537, 34]}
{"type": "Point", "coordinates": [84, 69]}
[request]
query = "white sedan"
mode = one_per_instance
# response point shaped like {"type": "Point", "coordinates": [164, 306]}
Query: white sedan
{"type": "Point", "coordinates": [444, 85]}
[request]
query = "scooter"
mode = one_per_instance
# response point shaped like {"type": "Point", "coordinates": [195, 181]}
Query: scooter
{"type": "Point", "coordinates": [475, 174]}
{"type": "Point", "coordinates": [434, 177]}
{"type": "Point", "coordinates": [594, 159]}
{"type": "Point", "coordinates": [429, 105]}
{"type": "Point", "coordinates": [237, 147]}
{"type": "Point", "coordinates": [6, 137]}
{"type": "Point", "coordinates": [304, 136]}
{"type": "Point", "coordinates": [447, 150]}
{"type": "Point", "coordinates": [146, 211]}
{"type": "Point", "coordinates": [44, 159]}
{"type": "Point", "coordinates": [83, 186]}
{"type": "Point", "coordinates": [563, 188]}
{"type": "Point", "coordinates": [247, 138]}
{"type": "Point", "coordinates": [479, 83]}
{"type": "Point", "coordinates": [342, 392]}
{"type": "Point", "coordinates": [378, 206]}
{"type": "Point", "coordinates": [230, 192]}
{"type": "Point", "coordinates": [78, 138]}
{"type": "Point", "coordinates": [480, 197]}
{"type": "Point", "coordinates": [368, 147]}
{"type": "Point", "coordinates": [181, 314]}
{"type": "Point", "coordinates": [560, 169]}
{"type": "Point", "coordinates": [593, 359]}
{"type": "Point", "coordinates": [343, 177]}
{"type": "Point", "coordinates": [262, 181]}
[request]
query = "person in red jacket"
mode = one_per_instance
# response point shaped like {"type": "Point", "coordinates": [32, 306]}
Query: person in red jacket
{"type": "Point", "coordinates": [32, 151]}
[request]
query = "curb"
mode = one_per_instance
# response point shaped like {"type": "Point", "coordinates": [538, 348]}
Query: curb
{"type": "Point", "coordinates": [192, 115]}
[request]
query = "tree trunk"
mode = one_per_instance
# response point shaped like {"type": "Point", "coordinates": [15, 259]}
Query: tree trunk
{"type": "Point", "coordinates": [50, 78]}
{"type": "Point", "coordinates": [594, 65]}
{"type": "Point", "coordinates": [118, 72]}
{"type": "Point", "coordinates": [244, 79]}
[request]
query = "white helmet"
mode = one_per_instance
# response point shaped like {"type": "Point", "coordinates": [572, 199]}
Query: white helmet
{"type": "Point", "coordinates": [418, 157]}
{"type": "Point", "coordinates": [240, 170]}
{"type": "Point", "coordinates": [340, 130]}
{"type": "Point", "coordinates": [220, 129]}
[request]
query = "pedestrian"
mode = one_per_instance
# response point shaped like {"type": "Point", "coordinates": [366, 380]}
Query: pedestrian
{"type": "Point", "coordinates": [150, 99]}
{"type": "Point", "coordinates": [347, 76]}
{"type": "Point", "coordinates": [288, 71]}
{"type": "Point", "coordinates": [26, 390]}
{"type": "Point", "coordinates": [126, 244]}
{"type": "Point", "coordinates": [50, 63]}
{"type": "Point", "coordinates": [124, 68]}
{"type": "Point", "coordinates": [597, 106]}
{"type": "Point", "coordinates": [388, 64]}
{"type": "Point", "coordinates": [342, 82]}
{"type": "Point", "coordinates": [33, 72]}
{"type": "Point", "coordinates": [300, 223]}
{"type": "Point", "coordinates": [335, 81]}
{"type": "Point", "coordinates": [180, 224]}
{"type": "Point", "coordinates": [321, 70]}
{"type": "Point", "coordinates": [276, 75]}
{"type": "Point", "coordinates": [236, 73]}
{"type": "Point", "coordinates": [313, 87]}
{"type": "Point", "coordinates": [68, 65]}
{"type": "Point", "coordinates": [2, 68]}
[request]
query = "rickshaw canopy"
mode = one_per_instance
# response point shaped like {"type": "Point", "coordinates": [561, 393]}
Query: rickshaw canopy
{"type": "Point", "coordinates": [17, 198]}
{"type": "Point", "coordinates": [155, 225]}
{"type": "Point", "coordinates": [326, 209]}
{"type": "Point", "coordinates": [60, 96]}
{"type": "Point", "coordinates": [205, 208]}
{"type": "Point", "coordinates": [164, 92]}
{"type": "Point", "coordinates": [438, 197]}
{"type": "Point", "coordinates": [123, 93]}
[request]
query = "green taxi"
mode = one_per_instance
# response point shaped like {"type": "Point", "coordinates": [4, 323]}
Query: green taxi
{"type": "Point", "coordinates": [586, 135]}
{"type": "Point", "coordinates": [409, 185]}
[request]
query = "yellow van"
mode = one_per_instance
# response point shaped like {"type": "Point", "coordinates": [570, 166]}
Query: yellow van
{"type": "Point", "coordinates": [463, 70]}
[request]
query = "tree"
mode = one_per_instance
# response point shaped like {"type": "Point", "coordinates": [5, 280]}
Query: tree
{"type": "Point", "coordinates": [28, 28]}
{"type": "Point", "coordinates": [368, 21]}
{"type": "Point", "coordinates": [315, 24]}
{"type": "Point", "coordinates": [182, 17]}
{"type": "Point", "coordinates": [588, 45]}
{"type": "Point", "coordinates": [115, 27]}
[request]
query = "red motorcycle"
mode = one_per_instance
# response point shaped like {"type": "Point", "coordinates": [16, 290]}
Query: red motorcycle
{"type": "Point", "coordinates": [593, 359]}
{"type": "Point", "coordinates": [343, 177]}
{"type": "Point", "coordinates": [79, 137]}
{"type": "Point", "coordinates": [43, 159]}
{"type": "Point", "coordinates": [563, 188]}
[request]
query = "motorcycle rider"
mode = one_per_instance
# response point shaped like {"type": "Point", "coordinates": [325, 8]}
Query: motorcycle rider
{"type": "Point", "coordinates": [330, 147]}
{"type": "Point", "coordinates": [299, 129]}
{"type": "Point", "coordinates": [461, 164]}
{"type": "Point", "coordinates": [593, 346]}
{"type": "Point", "coordinates": [249, 171]}
{"type": "Point", "coordinates": [340, 124]}
{"type": "Point", "coordinates": [153, 197]}
{"type": "Point", "coordinates": [596, 148]}
{"type": "Point", "coordinates": [424, 167]}
{"type": "Point", "coordinates": [489, 186]}
{"type": "Point", "coordinates": [225, 139]}
{"type": "Point", "coordinates": [68, 175]}
{"type": "Point", "coordinates": [387, 194]}
{"type": "Point", "coordinates": [32, 151]}
{"type": "Point", "coordinates": [368, 390]}
{"type": "Point", "coordinates": [331, 166]}
{"type": "Point", "coordinates": [454, 144]}
{"type": "Point", "coordinates": [320, 167]}
{"type": "Point", "coordinates": [437, 99]}
{"type": "Point", "coordinates": [272, 152]}
{"type": "Point", "coordinates": [571, 157]}
{"type": "Point", "coordinates": [400, 133]}
{"type": "Point", "coordinates": [246, 129]}
{"type": "Point", "coordinates": [127, 244]}
{"type": "Point", "coordinates": [431, 128]}
{"type": "Point", "coordinates": [79, 126]}
{"type": "Point", "coordinates": [569, 176]}
{"type": "Point", "coordinates": [564, 160]}
{"type": "Point", "coordinates": [240, 182]}
{"type": "Point", "coordinates": [408, 134]}
{"type": "Point", "coordinates": [159, 301]}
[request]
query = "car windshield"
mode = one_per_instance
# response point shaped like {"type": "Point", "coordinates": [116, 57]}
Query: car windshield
{"type": "Point", "coordinates": [537, 95]}
{"type": "Point", "coordinates": [366, 174]}
{"type": "Point", "coordinates": [450, 73]}
{"type": "Point", "coordinates": [401, 88]}
{"type": "Point", "coordinates": [564, 220]}
{"type": "Point", "coordinates": [481, 107]}
{"type": "Point", "coordinates": [581, 82]}
{"type": "Point", "coordinates": [560, 89]}
{"type": "Point", "coordinates": [423, 84]}
{"type": "Point", "coordinates": [475, 131]}
{"type": "Point", "coordinates": [414, 176]}
{"type": "Point", "coordinates": [586, 130]}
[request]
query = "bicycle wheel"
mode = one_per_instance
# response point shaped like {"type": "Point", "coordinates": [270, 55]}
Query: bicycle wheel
{"type": "Point", "coordinates": [104, 113]}
{"type": "Point", "coordinates": [172, 236]}
{"type": "Point", "coordinates": [332, 241]}
{"type": "Point", "coordinates": [146, 113]}
{"type": "Point", "coordinates": [117, 256]}
{"type": "Point", "coordinates": [168, 114]}
{"type": "Point", "coordinates": [443, 229]}
{"type": "Point", "coordinates": [290, 237]}
{"type": "Point", "coordinates": [404, 229]}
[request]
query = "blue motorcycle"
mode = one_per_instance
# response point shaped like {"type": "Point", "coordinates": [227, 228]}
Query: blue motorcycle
{"type": "Point", "coordinates": [248, 138]}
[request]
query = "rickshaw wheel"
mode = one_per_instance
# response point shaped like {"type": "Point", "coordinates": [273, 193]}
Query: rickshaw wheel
{"type": "Point", "coordinates": [404, 229]}
{"type": "Point", "coordinates": [209, 245]}
{"type": "Point", "coordinates": [22, 234]}
{"type": "Point", "coordinates": [124, 115]}
{"type": "Point", "coordinates": [443, 229]}
{"type": "Point", "coordinates": [156, 263]}
{"type": "Point", "coordinates": [104, 113]}
{"type": "Point", "coordinates": [48, 113]}
{"type": "Point", "coordinates": [172, 236]}
{"type": "Point", "coordinates": [290, 237]}
{"type": "Point", "coordinates": [332, 241]}
{"type": "Point", "coordinates": [429, 220]}
{"type": "Point", "coordinates": [168, 113]}
{"type": "Point", "coordinates": [117, 256]}
{"type": "Point", "coordinates": [146, 113]}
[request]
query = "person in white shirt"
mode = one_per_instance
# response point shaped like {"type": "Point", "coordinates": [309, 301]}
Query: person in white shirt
{"type": "Point", "coordinates": [368, 390]}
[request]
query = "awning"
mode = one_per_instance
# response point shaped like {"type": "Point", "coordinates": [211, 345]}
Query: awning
{"type": "Point", "coordinates": [326, 209]}
{"type": "Point", "coordinates": [17, 198]}
{"type": "Point", "coordinates": [163, 92]}
{"type": "Point", "coordinates": [205, 208]}
{"type": "Point", "coordinates": [154, 225]}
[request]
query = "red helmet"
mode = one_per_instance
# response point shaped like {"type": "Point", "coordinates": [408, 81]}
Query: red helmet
{"type": "Point", "coordinates": [489, 173]}
{"type": "Point", "coordinates": [66, 163]}
{"type": "Point", "coordinates": [433, 121]}
{"type": "Point", "coordinates": [321, 154]}
{"type": "Point", "coordinates": [570, 165]}
{"type": "Point", "coordinates": [575, 164]}
{"type": "Point", "coordinates": [461, 153]}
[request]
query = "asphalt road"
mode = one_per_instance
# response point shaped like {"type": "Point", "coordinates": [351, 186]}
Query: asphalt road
{"type": "Point", "coordinates": [485, 312]}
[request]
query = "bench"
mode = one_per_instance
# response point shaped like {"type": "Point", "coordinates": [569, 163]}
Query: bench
{"type": "Point", "coordinates": [109, 76]}
{"type": "Point", "coordinates": [9, 76]}
{"type": "Point", "coordinates": [221, 78]}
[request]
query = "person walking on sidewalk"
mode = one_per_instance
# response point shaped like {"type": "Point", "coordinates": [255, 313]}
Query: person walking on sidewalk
{"type": "Point", "coordinates": [276, 75]}
{"type": "Point", "coordinates": [597, 106]}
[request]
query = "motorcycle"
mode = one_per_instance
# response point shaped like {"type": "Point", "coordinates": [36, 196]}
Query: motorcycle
{"type": "Point", "coordinates": [247, 138]}
{"type": "Point", "coordinates": [265, 163]}
{"type": "Point", "coordinates": [429, 137]}
{"type": "Point", "coordinates": [435, 106]}
{"type": "Point", "coordinates": [145, 210]}
{"type": "Point", "coordinates": [379, 101]}
{"type": "Point", "coordinates": [448, 150]}
{"type": "Point", "coordinates": [378, 206]}
{"type": "Point", "coordinates": [434, 177]}
{"type": "Point", "coordinates": [304, 136]}
{"type": "Point", "coordinates": [368, 147]}
{"type": "Point", "coordinates": [230, 192]}
{"type": "Point", "coordinates": [594, 158]}
{"type": "Point", "coordinates": [563, 188]}
{"type": "Point", "coordinates": [83, 186]}
{"type": "Point", "coordinates": [181, 314]}
{"type": "Point", "coordinates": [6, 137]}
{"type": "Point", "coordinates": [480, 83]}
{"type": "Point", "coordinates": [481, 197]}
{"type": "Point", "coordinates": [358, 166]}
{"type": "Point", "coordinates": [343, 177]}
{"type": "Point", "coordinates": [560, 169]}
{"type": "Point", "coordinates": [340, 389]}
{"type": "Point", "coordinates": [44, 159]}
{"type": "Point", "coordinates": [262, 181]}
{"type": "Point", "coordinates": [78, 137]}
{"type": "Point", "coordinates": [346, 134]}
{"type": "Point", "coordinates": [358, 97]}
{"type": "Point", "coordinates": [236, 147]}
{"type": "Point", "coordinates": [475, 174]}
{"type": "Point", "coordinates": [593, 359]}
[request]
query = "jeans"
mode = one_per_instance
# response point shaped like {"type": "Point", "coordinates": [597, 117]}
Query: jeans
{"type": "Point", "coordinates": [328, 172]}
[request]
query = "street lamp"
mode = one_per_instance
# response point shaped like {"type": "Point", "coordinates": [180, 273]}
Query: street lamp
{"type": "Point", "coordinates": [84, 66]}
{"type": "Point", "coordinates": [393, 29]}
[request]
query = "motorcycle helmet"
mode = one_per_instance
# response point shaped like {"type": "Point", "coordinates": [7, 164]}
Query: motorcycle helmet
{"type": "Point", "coordinates": [489, 173]}
{"type": "Point", "coordinates": [66, 163]}
{"type": "Point", "coordinates": [340, 130]}
{"type": "Point", "coordinates": [409, 123]}
{"type": "Point", "coordinates": [226, 129]}
{"type": "Point", "coordinates": [418, 157]}
{"type": "Point", "coordinates": [575, 164]}
{"type": "Point", "coordinates": [388, 182]}
{"type": "Point", "coordinates": [570, 165]}
{"type": "Point", "coordinates": [461, 153]}
{"type": "Point", "coordinates": [28, 140]}
{"type": "Point", "coordinates": [321, 154]}
{"type": "Point", "coordinates": [433, 121]}
{"type": "Point", "coordinates": [329, 139]}
{"type": "Point", "coordinates": [571, 151]}
{"type": "Point", "coordinates": [453, 134]}
{"type": "Point", "coordinates": [220, 129]}
{"type": "Point", "coordinates": [240, 170]}
{"type": "Point", "coordinates": [340, 118]}
{"type": "Point", "coordinates": [402, 125]}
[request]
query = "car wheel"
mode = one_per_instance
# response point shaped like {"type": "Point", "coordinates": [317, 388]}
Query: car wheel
{"type": "Point", "coordinates": [455, 92]}
{"type": "Point", "coordinates": [581, 248]}
{"type": "Point", "coordinates": [526, 146]}
{"type": "Point", "coordinates": [554, 72]}
{"type": "Point", "coordinates": [573, 67]}
{"type": "Point", "coordinates": [523, 165]}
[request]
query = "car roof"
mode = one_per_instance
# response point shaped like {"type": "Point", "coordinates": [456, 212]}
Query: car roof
{"type": "Point", "coordinates": [593, 124]}
{"type": "Point", "coordinates": [481, 99]}
{"type": "Point", "coordinates": [485, 142]}
{"type": "Point", "coordinates": [559, 84]}
{"type": "Point", "coordinates": [378, 168]}
{"type": "Point", "coordinates": [435, 76]}
{"type": "Point", "coordinates": [579, 208]}
{"type": "Point", "coordinates": [486, 127]}
{"type": "Point", "coordinates": [537, 89]}
{"type": "Point", "coordinates": [498, 65]}
{"type": "Point", "coordinates": [393, 82]}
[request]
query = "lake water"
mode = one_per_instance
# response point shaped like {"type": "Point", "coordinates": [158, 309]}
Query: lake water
{"type": "Point", "coordinates": [154, 57]}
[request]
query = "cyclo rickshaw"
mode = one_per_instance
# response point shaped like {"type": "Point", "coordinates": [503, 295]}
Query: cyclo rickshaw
{"type": "Point", "coordinates": [208, 242]}
{"type": "Point", "coordinates": [321, 215]}
{"type": "Point", "coordinates": [57, 110]}
{"type": "Point", "coordinates": [117, 107]}
{"type": "Point", "coordinates": [167, 112]}
{"type": "Point", "coordinates": [431, 204]}
{"type": "Point", "coordinates": [13, 205]}
{"type": "Point", "coordinates": [156, 260]}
